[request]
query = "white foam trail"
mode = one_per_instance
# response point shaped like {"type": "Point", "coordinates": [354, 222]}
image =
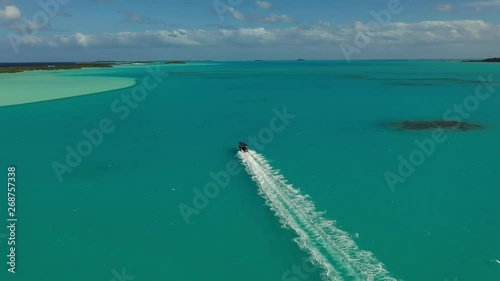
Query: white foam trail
{"type": "Point", "coordinates": [330, 248]}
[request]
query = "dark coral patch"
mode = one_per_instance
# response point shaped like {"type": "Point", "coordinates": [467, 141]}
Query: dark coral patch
{"type": "Point", "coordinates": [436, 124]}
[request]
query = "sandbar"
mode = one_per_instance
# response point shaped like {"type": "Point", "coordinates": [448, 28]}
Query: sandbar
{"type": "Point", "coordinates": [37, 86]}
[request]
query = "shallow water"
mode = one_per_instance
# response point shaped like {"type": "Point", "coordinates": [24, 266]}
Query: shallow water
{"type": "Point", "coordinates": [36, 86]}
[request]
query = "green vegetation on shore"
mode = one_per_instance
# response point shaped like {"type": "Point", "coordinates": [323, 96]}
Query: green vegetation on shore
{"type": "Point", "coordinates": [485, 60]}
{"type": "Point", "coordinates": [15, 69]}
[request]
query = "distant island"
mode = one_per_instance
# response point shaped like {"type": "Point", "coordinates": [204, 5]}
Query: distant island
{"type": "Point", "coordinates": [124, 62]}
{"type": "Point", "coordinates": [437, 124]}
{"type": "Point", "coordinates": [15, 69]}
{"type": "Point", "coordinates": [175, 62]}
{"type": "Point", "coordinates": [485, 60]}
{"type": "Point", "coordinates": [135, 62]}
{"type": "Point", "coordinates": [301, 60]}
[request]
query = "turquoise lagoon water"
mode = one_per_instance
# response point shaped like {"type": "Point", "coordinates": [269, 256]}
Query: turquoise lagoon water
{"type": "Point", "coordinates": [119, 209]}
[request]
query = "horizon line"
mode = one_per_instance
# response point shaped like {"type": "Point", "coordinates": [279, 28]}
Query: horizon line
{"type": "Point", "coordinates": [246, 60]}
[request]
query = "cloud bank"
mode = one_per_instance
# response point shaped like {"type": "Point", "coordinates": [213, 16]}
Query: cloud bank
{"type": "Point", "coordinates": [425, 32]}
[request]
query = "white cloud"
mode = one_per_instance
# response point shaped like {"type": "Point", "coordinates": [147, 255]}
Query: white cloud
{"type": "Point", "coordinates": [264, 5]}
{"type": "Point", "coordinates": [82, 39]}
{"type": "Point", "coordinates": [436, 32]}
{"type": "Point", "coordinates": [148, 38]}
{"type": "Point", "coordinates": [247, 36]}
{"type": "Point", "coordinates": [484, 4]}
{"type": "Point", "coordinates": [445, 8]}
{"type": "Point", "coordinates": [275, 18]}
{"type": "Point", "coordinates": [236, 14]}
{"type": "Point", "coordinates": [10, 12]}
{"type": "Point", "coordinates": [327, 36]}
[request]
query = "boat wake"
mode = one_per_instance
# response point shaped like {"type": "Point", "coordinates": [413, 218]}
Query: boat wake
{"type": "Point", "coordinates": [330, 248]}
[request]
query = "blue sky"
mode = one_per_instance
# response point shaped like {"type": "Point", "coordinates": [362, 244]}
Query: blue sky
{"type": "Point", "coordinates": [86, 30]}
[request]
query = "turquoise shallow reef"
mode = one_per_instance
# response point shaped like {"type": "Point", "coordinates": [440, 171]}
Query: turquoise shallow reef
{"type": "Point", "coordinates": [160, 191]}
